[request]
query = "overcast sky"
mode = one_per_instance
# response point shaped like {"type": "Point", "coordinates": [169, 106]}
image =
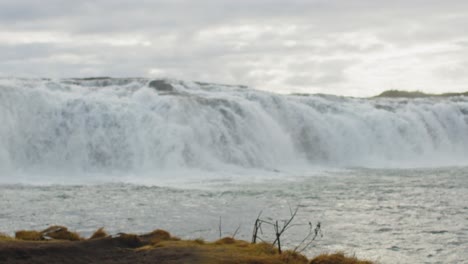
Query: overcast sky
{"type": "Point", "coordinates": [346, 47]}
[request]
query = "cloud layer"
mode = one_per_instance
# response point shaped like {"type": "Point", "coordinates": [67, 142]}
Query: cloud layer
{"type": "Point", "coordinates": [356, 48]}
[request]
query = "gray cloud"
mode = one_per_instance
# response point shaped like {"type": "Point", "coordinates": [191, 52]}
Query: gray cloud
{"type": "Point", "coordinates": [345, 47]}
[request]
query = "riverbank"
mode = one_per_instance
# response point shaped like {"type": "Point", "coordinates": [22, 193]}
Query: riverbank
{"type": "Point", "coordinates": [58, 245]}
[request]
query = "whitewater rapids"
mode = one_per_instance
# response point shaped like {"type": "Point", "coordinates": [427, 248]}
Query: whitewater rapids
{"type": "Point", "coordinates": [128, 125]}
{"type": "Point", "coordinates": [87, 153]}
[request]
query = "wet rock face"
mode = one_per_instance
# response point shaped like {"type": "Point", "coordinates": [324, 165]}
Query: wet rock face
{"type": "Point", "coordinates": [161, 85]}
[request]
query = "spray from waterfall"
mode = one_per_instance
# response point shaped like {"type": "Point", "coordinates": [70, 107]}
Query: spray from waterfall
{"type": "Point", "coordinates": [141, 125]}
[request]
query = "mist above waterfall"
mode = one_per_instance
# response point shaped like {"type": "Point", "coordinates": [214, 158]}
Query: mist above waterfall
{"type": "Point", "coordinates": [130, 125]}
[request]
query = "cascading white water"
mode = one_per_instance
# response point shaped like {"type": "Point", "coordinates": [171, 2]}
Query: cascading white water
{"type": "Point", "coordinates": [108, 125]}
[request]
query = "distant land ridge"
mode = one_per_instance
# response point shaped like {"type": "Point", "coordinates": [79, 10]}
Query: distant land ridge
{"type": "Point", "coordinates": [415, 94]}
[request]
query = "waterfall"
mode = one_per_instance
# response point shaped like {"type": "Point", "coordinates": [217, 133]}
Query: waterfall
{"type": "Point", "coordinates": [134, 125]}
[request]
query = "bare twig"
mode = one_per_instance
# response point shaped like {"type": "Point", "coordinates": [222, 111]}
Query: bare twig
{"type": "Point", "coordinates": [255, 231]}
{"type": "Point", "coordinates": [279, 230]}
{"type": "Point", "coordinates": [235, 232]}
{"type": "Point", "coordinates": [313, 232]}
{"type": "Point", "coordinates": [278, 235]}
{"type": "Point", "coordinates": [257, 226]}
{"type": "Point", "coordinates": [293, 214]}
{"type": "Point", "coordinates": [220, 228]}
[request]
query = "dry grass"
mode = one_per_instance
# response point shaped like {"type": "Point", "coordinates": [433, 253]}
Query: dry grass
{"type": "Point", "coordinates": [5, 237]}
{"type": "Point", "coordinates": [53, 232]}
{"type": "Point", "coordinates": [199, 241]}
{"type": "Point", "coordinates": [337, 258]}
{"type": "Point", "coordinates": [100, 233]}
{"type": "Point", "coordinates": [266, 248]}
{"type": "Point", "coordinates": [225, 250]}
{"type": "Point", "coordinates": [290, 256]}
{"type": "Point", "coordinates": [60, 233]}
{"type": "Point", "coordinates": [158, 236]}
{"type": "Point", "coordinates": [30, 235]}
{"type": "Point", "coordinates": [226, 240]}
{"type": "Point", "coordinates": [231, 251]}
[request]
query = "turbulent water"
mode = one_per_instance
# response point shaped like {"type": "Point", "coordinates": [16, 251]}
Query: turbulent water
{"type": "Point", "coordinates": [92, 152]}
{"type": "Point", "coordinates": [123, 125]}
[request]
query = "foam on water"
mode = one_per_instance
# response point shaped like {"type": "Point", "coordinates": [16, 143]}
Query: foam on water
{"type": "Point", "coordinates": [124, 126]}
{"type": "Point", "coordinates": [387, 215]}
{"type": "Point", "coordinates": [93, 137]}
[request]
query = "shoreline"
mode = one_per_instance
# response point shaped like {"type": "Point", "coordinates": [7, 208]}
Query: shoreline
{"type": "Point", "coordinates": [56, 245]}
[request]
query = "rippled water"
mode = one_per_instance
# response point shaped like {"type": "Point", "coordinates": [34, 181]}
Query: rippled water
{"type": "Point", "coordinates": [133, 156]}
{"type": "Point", "coordinates": [392, 216]}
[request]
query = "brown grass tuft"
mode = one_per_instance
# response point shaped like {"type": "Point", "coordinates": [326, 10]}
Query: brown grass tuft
{"type": "Point", "coordinates": [157, 236]}
{"type": "Point", "coordinates": [199, 241]}
{"type": "Point", "coordinates": [337, 258]}
{"type": "Point", "coordinates": [266, 248]}
{"type": "Point", "coordinates": [53, 232]}
{"type": "Point", "coordinates": [60, 233]}
{"type": "Point", "coordinates": [29, 235]}
{"type": "Point", "coordinates": [160, 234]}
{"type": "Point", "coordinates": [290, 256]}
{"type": "Point", "coordinates": [231, 251]}
{"type": "Point", "coordinates": [226, 240]}
{"type": "Point", "coordinates": [100, 233]}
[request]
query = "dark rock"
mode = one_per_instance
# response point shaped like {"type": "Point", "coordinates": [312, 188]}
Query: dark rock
{"type": "Point", "coordinates": [93, 78]}
{"type": "Point", "coordinates": [161, 85]}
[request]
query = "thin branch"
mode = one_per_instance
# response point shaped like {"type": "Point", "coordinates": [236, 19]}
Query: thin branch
{"type": "Point", "coordinates": [287, 223]}
{"type": "Point", "coordinates": [288, 227]}
{"type": "Point", "coordinates": [235, 232]}
{"type": "Point", "coordinates": [266, 222]}
{"type": "Point", "coordinates": [280, 226]}
{"type": "Point", "coordinates": [305, 238]}
{"type": "Point", "coordinates": [259, 214]}
{"type": "Point", "coordinates": [220, 229]}
{"type": "Point", "coordinates": [315, 232]}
